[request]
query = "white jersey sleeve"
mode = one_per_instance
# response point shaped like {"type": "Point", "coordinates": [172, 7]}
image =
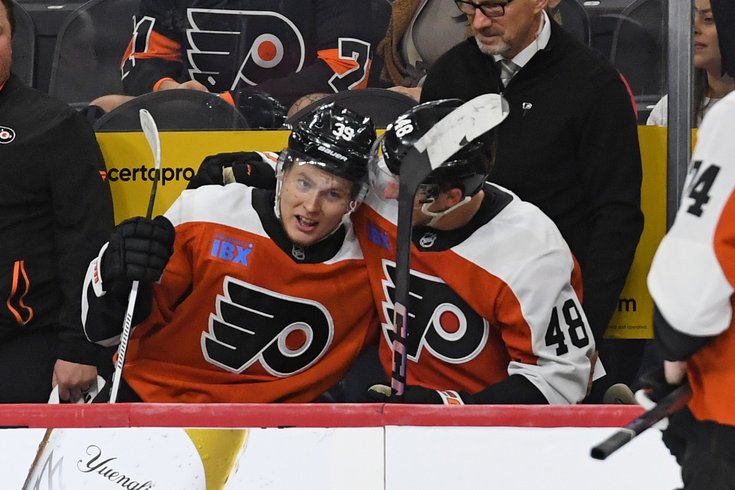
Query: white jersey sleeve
{"type": "Point", "coordinates": [693, 272]}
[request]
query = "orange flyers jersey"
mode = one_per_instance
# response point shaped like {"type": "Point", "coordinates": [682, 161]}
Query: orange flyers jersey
{"type": "Point", "coordinates": [241, 315]}
{"type": "Point", "coordinates": [316, 45]}
{"type": "Point", "coordinates": [693, 272]}
{"type": "Point", "coordinates": [488, 300]}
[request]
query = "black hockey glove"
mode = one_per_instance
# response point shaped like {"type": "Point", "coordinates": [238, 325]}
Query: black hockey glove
{"type": "Point", "coordinates": [247, 167]}
{"type": "Point", "coordinates": [654, 388]}
{"type": "Point", "coordinates": [138, 250]}
{"type": "Point", "coordinates": [416, 395]}
{"type": "Point", "coordinates": [654, 385]}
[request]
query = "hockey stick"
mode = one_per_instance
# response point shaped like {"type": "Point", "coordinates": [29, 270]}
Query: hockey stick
{"type": "Point", "coordinates": [447, 137]}
{"type": "Point", "coordinates": [669, 405]}
{"type": "Point", "coordinates": [151, 135]}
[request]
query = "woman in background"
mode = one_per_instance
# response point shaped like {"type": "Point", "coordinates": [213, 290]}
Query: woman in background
{"type": "Point", "coordinates": [710, 82]}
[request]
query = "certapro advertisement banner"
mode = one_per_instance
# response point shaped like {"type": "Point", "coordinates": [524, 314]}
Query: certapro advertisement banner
{"type": "Point", "coordinates": [633, 318]}
{"type": "Point", "coordinates": [130, 167]}
{"type": "Point", "coordinates": [130, 172]}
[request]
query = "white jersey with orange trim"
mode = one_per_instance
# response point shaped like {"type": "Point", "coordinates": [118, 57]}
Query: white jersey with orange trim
{"type": "Point", "coordinates": [287, 48]}
{"type": "Point", "coordinates": [497, 297]}
{"type": "Point", "coordinates": [692, 276]}
{"type": "Point", "coordinates": [242, 315]}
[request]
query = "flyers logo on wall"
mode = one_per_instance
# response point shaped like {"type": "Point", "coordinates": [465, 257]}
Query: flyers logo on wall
{"type": "Point", "coordinates": [269, 45]}
{"type": "Point", "coordinates": [162, 459]}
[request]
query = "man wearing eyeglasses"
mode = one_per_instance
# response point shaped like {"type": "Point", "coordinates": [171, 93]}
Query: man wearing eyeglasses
{"type": "Point", "coordinates": [569, 145]}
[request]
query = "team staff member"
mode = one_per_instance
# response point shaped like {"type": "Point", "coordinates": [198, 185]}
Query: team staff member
{"type": "Point", "coordinates": [691, 281]}
{"type": "Point", "coordinates": [265, 297]}
{"type": "Point", "coordinates": [483, 327]}
{"type": "Point", "coordinates": [569, 146]}
{"type": "Point", "coordinates": [55, 212]}
{"type": "Point", "coordinates": [286, 49]}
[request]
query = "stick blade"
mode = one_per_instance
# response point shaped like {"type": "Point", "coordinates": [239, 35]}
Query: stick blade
{"type": "Point", "coordinates": [148, 124]}
{"type": "Point", "coordinates": [458, 128]}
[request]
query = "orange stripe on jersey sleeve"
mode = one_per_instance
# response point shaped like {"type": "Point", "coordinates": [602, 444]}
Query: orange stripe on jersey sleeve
{"type": "Point", "coordinates": [159, 46]}
{"type": "Point", "coordinates": [724, 240]}
{"type": "Point", "coordinates": [340, 66]}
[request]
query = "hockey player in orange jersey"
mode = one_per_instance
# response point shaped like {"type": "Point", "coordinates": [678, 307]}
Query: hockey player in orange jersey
{"type": "Point", "coordinates": [692, 280]}
{"type": "Point", "coordinates": [253, 295]}
{"type": "Point", "coordinates": [495, 313]}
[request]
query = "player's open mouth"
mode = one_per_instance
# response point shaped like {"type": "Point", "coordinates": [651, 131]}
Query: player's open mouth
{"type": "Point", "coordinates": [306, 223]}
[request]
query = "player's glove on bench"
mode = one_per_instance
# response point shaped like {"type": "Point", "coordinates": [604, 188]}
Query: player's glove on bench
{"type": "Point", "coordinates": [417, 395]}
{"type": "Point", "coordinates": [138, 250]}
{"type": "Point", "coordinates": [246, 167]}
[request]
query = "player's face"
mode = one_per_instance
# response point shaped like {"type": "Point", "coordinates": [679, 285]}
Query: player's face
{"type": "Point", "coordinates": [508, 34]}
{"type": "Point", "coordinates": [6, 50]}
{"type": "Point", "coordinates": [312, 203]}
{"type": "Point", "coordinates": [706, 47]}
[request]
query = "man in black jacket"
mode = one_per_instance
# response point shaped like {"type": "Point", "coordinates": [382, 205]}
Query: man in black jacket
{"type": "Point", "coordinates": [55, 212]}
{"type": "Point", "coordinates": [569, 145]}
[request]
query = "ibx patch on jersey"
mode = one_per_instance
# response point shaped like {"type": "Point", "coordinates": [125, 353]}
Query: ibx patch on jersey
{"type": "Point", "coordinates": [231, 250]}
{"type": "Point", "coordinates": [378, 236]}
{"type": "Point", "coordinates": [7, 135]}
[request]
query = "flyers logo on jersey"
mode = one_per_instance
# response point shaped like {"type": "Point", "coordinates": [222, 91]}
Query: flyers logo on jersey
{"type": "Point", "coordinates": [284, 334]}
{"type": "Point", "coordinates": [230, 47]}
{"type": "Point", "coordinates": [7, 135]}
{"type": "Point", "coordinates": [439, 321]}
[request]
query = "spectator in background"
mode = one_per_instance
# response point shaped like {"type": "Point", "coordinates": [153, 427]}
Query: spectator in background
{"type": "Point", "coordinates": [419, 32]}
{"type": "Point", "coordinates": [55, 212]}
{"type": "Point", "coordinates": [711, 82]}
{"type": "Point", "coordinates": [286, 49]}
{"type": "Point", "coordinates": [570, 146]}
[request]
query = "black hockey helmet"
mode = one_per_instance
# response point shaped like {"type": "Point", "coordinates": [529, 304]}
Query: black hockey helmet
{"type": "Point", "coordinates": [467, 169]}
{"type": "Point", "coordinates": [335, 139]}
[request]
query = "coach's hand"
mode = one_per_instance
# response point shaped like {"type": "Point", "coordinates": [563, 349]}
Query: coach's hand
{"type": "Point", "coordinates": [138, 250]}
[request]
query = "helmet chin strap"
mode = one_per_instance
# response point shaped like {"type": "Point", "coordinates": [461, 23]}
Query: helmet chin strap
{"type": "Point", "coordinates": [436, 215]}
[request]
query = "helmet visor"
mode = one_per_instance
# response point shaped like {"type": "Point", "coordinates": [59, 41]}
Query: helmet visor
{"type": "Point", "coordinates": [385, 184]}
